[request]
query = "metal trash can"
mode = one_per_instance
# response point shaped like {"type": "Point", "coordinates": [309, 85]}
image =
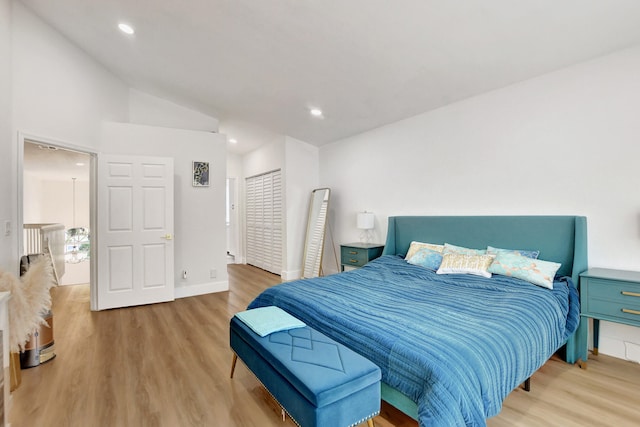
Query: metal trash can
{"type": "Point", "coordinates": [41, 347]}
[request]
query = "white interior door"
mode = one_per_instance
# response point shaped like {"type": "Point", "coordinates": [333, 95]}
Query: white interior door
{"type": "Point", "coordinates": [232, 233]}
{"type": "Point", "coordinates": [135, 230]}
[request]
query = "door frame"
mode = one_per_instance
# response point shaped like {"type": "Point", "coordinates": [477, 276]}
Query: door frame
{"type": "Point", "coordinates": [93, 223]}
{"type": "Point", "coordinates": [232, 186]}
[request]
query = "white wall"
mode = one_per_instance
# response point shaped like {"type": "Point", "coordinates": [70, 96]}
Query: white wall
{"type": "Point", "coordinates": [302, 174]}
{"type": "Point", "coordinates": [147, 109]}
{"type": "Point", "coordinates": [63, 95]}
{"type": "Point", "coordinates": [8, 256]}
{"type": "Point", "coordinates": [59, 91]}
{"type": "Point", "coordinates": [48, 200]}
{"type": "Point", "coordinates": [200, 233]}
{"type": "Point", "coordinates": [267, 158]}
{"type": "Point", "coordinates": [51, 201]}
{"type": "Point", "coordinates": [563, 143]}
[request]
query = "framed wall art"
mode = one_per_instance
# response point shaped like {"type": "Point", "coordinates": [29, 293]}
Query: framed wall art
{"type": "Point", "coordinates": [200, 174]}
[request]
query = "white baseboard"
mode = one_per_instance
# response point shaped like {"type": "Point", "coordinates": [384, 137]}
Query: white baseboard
{"type": "Point", "coordinates": [288, 276]}
{"type": "Point", "coordinates": [201, 289]}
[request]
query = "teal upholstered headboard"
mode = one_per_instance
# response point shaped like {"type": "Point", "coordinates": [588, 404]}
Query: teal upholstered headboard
{"type": "Point", "coordinates": [560, 239]}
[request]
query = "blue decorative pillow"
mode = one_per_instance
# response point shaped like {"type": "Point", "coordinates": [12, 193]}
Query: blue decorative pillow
{"type": "Point", "coordinates": [427, 258]}
{"type": "Point", "coordinates": [535, 271]}
{"type": "Point", "coordinates": [528, 254]}
{"type": "Point", "coordinates": [449, 249]}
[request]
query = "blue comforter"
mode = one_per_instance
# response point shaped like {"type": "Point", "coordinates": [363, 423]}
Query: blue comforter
{"type": "Point", "coordinates": [457, 345]}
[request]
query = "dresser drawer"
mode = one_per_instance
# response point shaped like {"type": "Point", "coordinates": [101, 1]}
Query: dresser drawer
{"type": "Point", "coordinates": [358, 254]}
{"type": "Point", "coordinates": [627, 293]}
{"type": "Point", "coordinates": [614, 309]}
{"type": "Point", "coordinates": [612, 299]}
{"type": "Point", "coordinates": [607, 294]}
{"type": "Point", "coordinates": [354, 256]}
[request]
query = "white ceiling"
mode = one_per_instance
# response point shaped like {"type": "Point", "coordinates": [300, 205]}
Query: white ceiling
{"type": "Point", "coordinates": [366, 63]}
{"type": "Point", "coordinates": [55, 164]}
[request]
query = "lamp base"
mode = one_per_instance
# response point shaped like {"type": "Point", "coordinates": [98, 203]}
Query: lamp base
{"type": "Point", "coordinates": [365, 236]}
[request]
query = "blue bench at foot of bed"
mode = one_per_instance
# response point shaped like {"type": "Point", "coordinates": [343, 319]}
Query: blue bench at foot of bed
{"type": "Point", "coordinates": [317, 381]}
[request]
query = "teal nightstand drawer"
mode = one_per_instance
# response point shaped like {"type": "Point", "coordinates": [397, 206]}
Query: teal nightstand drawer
{"type": "Point", "coordinates": [353, 262]}
{"type": "Point", "coordinates": [351, 255]}
{"type": "Point", "coordinates": [358, 254]}
{"type": "Point", "coordinates": [624, 292]}
{"type": "Point", "coordinates": [614, 310]}
{"type": "Point", "coordinates": [612, 295]}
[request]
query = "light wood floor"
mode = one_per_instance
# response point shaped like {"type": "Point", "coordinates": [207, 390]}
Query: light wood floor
{"type": "Point", "coordinates": [168, 365]}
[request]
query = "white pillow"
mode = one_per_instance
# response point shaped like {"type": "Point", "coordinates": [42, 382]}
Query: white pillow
{"type": "Point", "coordinates": [455, 263]}
{"type": "Point", "coordinates": [416, 246]}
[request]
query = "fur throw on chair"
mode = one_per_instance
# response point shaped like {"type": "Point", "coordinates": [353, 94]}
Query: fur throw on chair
{"type": "Point", "coordinates": [30, 300]}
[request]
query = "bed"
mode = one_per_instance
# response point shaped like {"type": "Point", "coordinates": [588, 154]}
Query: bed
{"type": "Point", "coordinates": [451, 347]}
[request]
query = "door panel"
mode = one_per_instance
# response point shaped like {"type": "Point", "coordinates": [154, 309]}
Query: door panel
{"type": "Point", "coordinates": [153, 256]}
{"type": "Point", "coordinates": [120, 260]}
{"type": "Point", "coordinates": [135, 229]}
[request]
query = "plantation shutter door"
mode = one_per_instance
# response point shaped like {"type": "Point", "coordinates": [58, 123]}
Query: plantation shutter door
{"type": "Point", "coordinates": [251, 221]}
{"type": "Point", "coordinates": [259, 224]}
{"type": "Point", "coordinates": [276, 229]}
{"type": "Point", "coordinates": [264, 221]}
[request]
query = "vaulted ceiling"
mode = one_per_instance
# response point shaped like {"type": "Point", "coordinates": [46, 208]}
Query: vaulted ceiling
{"type": "Point", "coordinates": [260, 65]}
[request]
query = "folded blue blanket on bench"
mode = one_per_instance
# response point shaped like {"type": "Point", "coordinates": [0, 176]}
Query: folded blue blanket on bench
{"type": "Point", "coordinates": [267, 320]}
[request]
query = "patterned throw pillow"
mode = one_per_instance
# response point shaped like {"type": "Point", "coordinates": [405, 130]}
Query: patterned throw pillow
{"type": "Point", "coordinates": [427, 258]}
{"type": "Point", "coordinates": [454, 263]}
{"type": "Point", "coordinates": [448, 248]}
{"type": "Point", "coordinates": [528, 254]}
{"type": "Point", "coordinates": [535, 271]}
{"type": "Point", "coordinates": [415, 246]}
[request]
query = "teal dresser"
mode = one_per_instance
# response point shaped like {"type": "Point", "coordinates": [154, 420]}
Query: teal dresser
{"type": "Point", "coordinates": [612, 295]}
{"type": "Point", "coordinates": [358, 254]}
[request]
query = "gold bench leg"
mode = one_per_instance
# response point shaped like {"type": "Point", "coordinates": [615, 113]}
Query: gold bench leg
{"type": "Point", "coordinates": [370, 422]}
{"type": "Point", "coordinates": [233, 364]}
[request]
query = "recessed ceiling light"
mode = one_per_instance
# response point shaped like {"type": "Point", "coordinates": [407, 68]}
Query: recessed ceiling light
{"type": "Point", "coordinates": [316, 112]}
{"type": "Point", "coordinates": [233, 140]}
{"type": "Point", "coordinates": [79, 164]}
{"type": "Point", "coordinates": [126, 28]}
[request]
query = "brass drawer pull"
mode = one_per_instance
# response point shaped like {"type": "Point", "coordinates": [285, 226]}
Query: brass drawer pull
{"type": "Point", "coordinates": [630, 294]}
{"type": "Point", "coordinates": [353, 253]}
{"type": "Point", "coordinates": [626, 310]}
{"type": "Point", "coordinates": [354, 261]}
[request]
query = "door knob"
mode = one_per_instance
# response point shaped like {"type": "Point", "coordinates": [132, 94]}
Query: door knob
{"type": "Point", "coordinates": [167, 236]}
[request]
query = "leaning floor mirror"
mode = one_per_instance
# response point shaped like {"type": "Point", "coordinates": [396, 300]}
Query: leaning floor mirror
{"type": "Point", "coordinates": [316, 225]}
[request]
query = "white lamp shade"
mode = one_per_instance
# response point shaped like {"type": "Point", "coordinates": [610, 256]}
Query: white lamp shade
{"type": "Point", "coordinates": [365, 220]}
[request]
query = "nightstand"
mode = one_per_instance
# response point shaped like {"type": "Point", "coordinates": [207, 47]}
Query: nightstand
{"type": "Point", "coordinates": [358, 254]}
{"type": "Point", "coordinates": [612, 295]}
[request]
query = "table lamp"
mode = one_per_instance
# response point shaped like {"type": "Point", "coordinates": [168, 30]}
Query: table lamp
{"type": "Point", "coordinates": [365, 221]}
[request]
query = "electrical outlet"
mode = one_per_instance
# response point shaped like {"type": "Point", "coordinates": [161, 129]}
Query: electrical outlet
{"type": "Point", "coordinates": [184, 274]}
{"type": "Point", "coordinates": [7, 228]}
{"type": "Point", "coordinates": [213, 273]}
